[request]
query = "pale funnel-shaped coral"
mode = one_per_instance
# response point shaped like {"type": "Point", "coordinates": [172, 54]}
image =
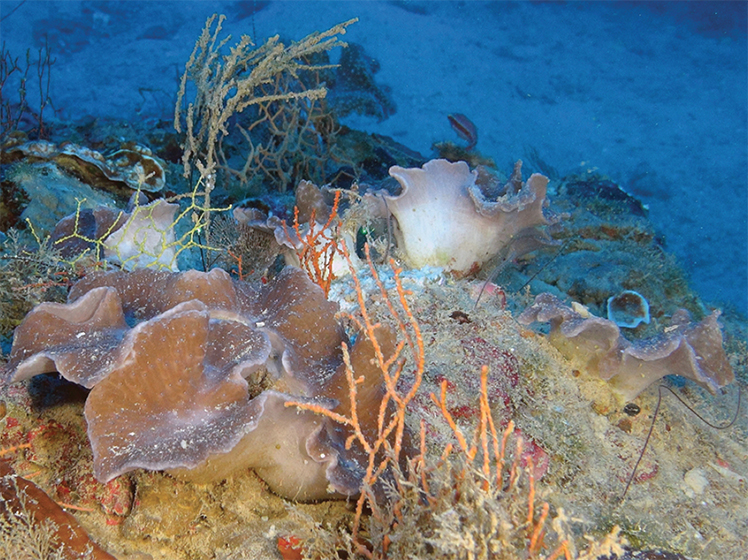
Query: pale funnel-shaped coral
{"type": "Point", "coordinates": [445, 220]}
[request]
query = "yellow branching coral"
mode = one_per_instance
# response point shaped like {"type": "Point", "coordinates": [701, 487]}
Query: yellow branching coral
{"type": "Point", "coordinates": [149, 236]}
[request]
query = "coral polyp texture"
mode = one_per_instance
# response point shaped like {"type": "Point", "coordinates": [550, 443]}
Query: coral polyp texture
{"type": "Point", "coordinates": [445, 218]}
{"type": "Point", "coordinates": [191, 372]}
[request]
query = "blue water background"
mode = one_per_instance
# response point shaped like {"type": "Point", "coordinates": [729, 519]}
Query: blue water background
{"type": "Point", "coordinates": [652, 94]}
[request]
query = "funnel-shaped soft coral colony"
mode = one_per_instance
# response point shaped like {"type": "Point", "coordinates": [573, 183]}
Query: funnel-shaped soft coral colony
{"type": "Point", "coordinates": [445, 219]}
{"type": "Point", "coordinates": [191, 372]}
{"type": "Point", "coordinates": [692, 350]}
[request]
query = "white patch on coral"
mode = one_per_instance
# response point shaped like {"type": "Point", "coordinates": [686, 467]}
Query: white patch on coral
{"type": "Point", "coordinates": [146, 239]}
{"type": "Point", "coordinates": [696, 482]}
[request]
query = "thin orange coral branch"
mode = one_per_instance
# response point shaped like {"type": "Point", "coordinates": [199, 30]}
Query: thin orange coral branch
{"type": "Point", "coordinates": [7, 450]}
{"type": "Point", "coordinates": [75, 508]}
{"type": "Point", "coordinates": [563, 548]}
{"type": "Point", "coordinates": [392, 409]}
{"type": "Point", "coordinates": [500, 460]}
{"type": "Point", "coordinates": [323, 411]}
{"type": "Point", "coordinates": [515, 470]}
{"type": "Point", "coordinates": [531, 493]}
{"type": "Point", "coordinates": [238, 259]}
{"type": "Point", "coordinates": [319, 245]}
{"type": "Point", "coordinates": [536, 539]}
{"type": "Point", "coordinates": [486, 426]}
{"type": "Point", "coordinates": [441, 402]}
{"type": "Point", "coordinates": [487, 439]}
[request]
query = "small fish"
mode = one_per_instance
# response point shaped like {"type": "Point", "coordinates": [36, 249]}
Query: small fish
{"type": "Point", "coordinates": [465, 128]}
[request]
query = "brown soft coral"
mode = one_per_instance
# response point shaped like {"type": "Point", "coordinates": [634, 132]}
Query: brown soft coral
{"type": "Point", "coordinates": [191, 372]}
{"type": "Point", "coordinates": [693, 350]}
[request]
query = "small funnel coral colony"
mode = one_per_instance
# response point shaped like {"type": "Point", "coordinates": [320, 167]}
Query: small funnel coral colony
{"type": "Point", "coordinates": [203, 415]}
{"type": "Point", "coordinates": [476, 230]}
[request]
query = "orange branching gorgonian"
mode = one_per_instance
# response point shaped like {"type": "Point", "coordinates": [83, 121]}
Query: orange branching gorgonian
{"type": "Point", "coordinates": [318, 245]}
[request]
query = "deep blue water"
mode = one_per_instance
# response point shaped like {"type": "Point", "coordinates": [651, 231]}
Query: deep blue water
{"type": "Point", "coordinates": [652, 94]}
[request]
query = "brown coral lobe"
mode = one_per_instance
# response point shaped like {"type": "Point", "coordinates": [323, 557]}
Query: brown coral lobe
{"type": "Point", "coordinates": [692, 350]}
{"type": "Point", "coordinates": [25, 503]}
{"type": "Point", "coordinates": [191, 373]}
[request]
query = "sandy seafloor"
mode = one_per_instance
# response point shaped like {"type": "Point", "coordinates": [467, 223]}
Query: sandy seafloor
{"type": "Point", "coordinates": [652, 95]}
